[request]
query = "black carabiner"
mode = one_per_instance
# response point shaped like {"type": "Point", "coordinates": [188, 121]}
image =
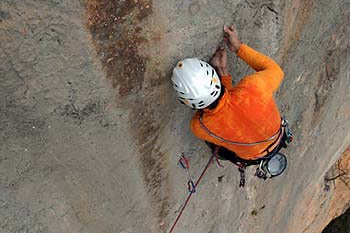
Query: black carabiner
{"type": "Point", "coordinates": [191, 186]}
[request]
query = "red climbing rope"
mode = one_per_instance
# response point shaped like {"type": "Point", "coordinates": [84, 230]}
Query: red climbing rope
{"type": "Point", "coordinates": [195, 186]}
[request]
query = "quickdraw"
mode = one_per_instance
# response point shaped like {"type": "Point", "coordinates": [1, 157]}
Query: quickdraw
{"type": "Point", "coordinates": [182, 161]}
{"type": "Point", "coordinates": [185, 164]}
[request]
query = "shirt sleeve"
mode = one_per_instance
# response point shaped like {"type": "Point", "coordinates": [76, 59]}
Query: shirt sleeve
{"type": "Point", "coordinates": [268, 74]}
{"type": "Point", "coordinates": [227, 81]}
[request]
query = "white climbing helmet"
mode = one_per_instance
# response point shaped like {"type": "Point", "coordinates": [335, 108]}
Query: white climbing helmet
{"type": "Point", "coordinates": [196, 83]}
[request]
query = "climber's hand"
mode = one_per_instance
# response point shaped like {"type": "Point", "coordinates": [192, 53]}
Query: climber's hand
{"type": "Point", "coordinates": [231, 38]}
{"type": "Point", "coordinates": [219, 61]}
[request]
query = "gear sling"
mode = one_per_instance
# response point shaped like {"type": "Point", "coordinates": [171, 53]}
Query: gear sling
{"type": "Point", "coordinates": [267, 164]}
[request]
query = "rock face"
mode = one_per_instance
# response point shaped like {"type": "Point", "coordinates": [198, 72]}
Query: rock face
{"type": "Point", "coordinates": [90, 127]}
{"type": "Point", "coordinates": [339, 175]}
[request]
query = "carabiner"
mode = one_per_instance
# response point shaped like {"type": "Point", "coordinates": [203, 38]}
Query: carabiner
{"type": "Point", "coordinates": [191, 186]}
{"type": "Point", "coordinates": [183, 161]}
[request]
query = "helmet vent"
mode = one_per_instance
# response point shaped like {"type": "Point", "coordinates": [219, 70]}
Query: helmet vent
{"type": "Point", "coordinates": [208, 73]}
{"type": "Point", "coordinates": [212, 73]}
{"type": "Point", "coordinates": [212, 93]}
{"type": "Point", "coordinates": [207, 64]}
{"type": "Point", "coordinates": [193, 105]}
{"type": "Point", "coordinates": [201, 102]}
{"type": "Point", "coordinates": [217, 86]}
{"type": "Point", "coordinates": [201, 64]}
{"type": "Point", "coordinates": [216, 92]}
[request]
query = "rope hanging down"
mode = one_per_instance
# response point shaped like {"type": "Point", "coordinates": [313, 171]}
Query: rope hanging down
{"type": "Point", "coordinates": [215, 154]}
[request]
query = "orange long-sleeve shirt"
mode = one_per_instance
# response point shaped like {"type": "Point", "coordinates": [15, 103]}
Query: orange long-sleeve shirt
{"type": "Point", "coordinates": [247, 112]}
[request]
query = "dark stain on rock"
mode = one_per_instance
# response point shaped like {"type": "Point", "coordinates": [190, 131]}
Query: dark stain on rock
{"type": "Point", "coordinates": [112, 25]}
{"type": "Point", "coordinates": [19, 120]}
{"type": "Point", "coordinates": [153, 160]}
{"type": "Point", "coordinates": [117, 33]}
{"type": "Point", "coordinates": [292, 32]}
{"type": "Point", "coordinates": [4, 16]}
{"type": "Point", "coordinates": [337, 53]}
{"type": "Point", "coordinates": [327, 79]}
{"type": "Point", "coordinates": [79, 115]}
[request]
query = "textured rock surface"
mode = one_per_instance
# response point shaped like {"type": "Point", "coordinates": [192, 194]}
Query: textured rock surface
{"type": "Point", "coordinates": [339, 176]}
{"type": "Point", "coordinates": [90, 126]}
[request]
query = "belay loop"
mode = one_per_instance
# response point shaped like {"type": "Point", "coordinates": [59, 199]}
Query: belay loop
{"type": "Point", "coordinates": [273, 163]}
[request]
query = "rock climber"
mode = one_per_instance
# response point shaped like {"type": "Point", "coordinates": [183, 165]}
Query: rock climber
{"type": "Point", "coordinates": [243, 120]}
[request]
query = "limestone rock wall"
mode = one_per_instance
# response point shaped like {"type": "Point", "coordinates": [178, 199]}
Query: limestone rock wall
{"type": "Point", "coordinates": [90, 127]}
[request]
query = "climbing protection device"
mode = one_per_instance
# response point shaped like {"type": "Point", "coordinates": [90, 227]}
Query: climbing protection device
{"type": "Point", "coordinates": [273, 164]}
{"type": "Point", "coordinates": [214, 155]}
{"type": "Point", "coordinates": [185, 164]}
{"type": "Point", "coordinates": [272, 167]}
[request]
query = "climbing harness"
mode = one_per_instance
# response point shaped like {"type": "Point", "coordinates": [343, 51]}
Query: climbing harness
{"type": "Point", "coordinates": [273, 163]}
{"type": "Point", "coordinates": [214, 155]}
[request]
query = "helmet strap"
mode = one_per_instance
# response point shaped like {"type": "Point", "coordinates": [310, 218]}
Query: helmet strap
{"type": "Point", "coordinates": [216, 102]}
